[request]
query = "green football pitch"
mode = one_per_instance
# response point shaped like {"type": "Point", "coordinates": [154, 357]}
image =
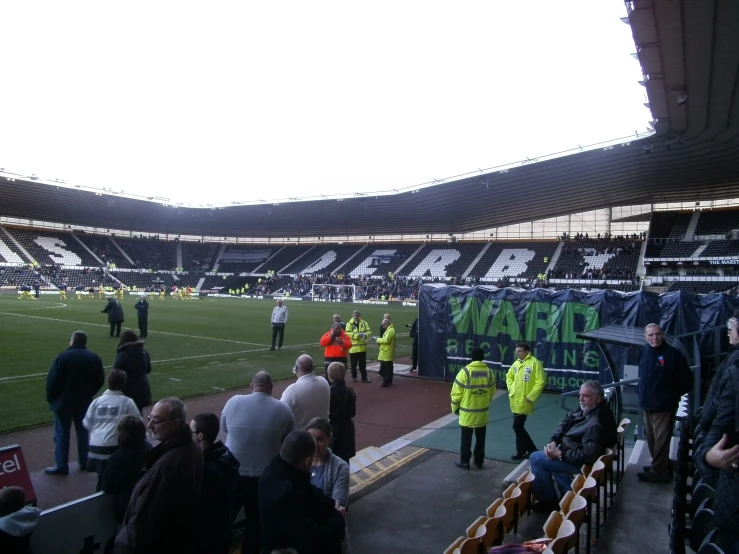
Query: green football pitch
{"type": "Point", "coordinates": [197, 347]}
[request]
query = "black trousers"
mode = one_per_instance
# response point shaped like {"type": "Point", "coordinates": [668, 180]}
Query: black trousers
{"type": "Point", "coordinates": [278, 328]}
{"type": "Point", "coordinates": [247, 496]}
{"type": "Point", "coordinates": [524, 443]}
{"type": "Point", "coordinates": [328, 361]}
{"type": "Point", "coordinates": [143, 327]}
{"type": "Point", "coordinates": [115, 328]}
{"type": "Point", "coordinates": [465, 452]}
{"type": "Point", "coordinates": [386, 372]}
{"type": "Point", "coordinates": [414, 352]}
{"type": "Point", "coordinates": [359, 359]}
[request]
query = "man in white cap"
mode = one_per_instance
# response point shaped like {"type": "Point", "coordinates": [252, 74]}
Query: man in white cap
{"type": "Point", "coordinates": [142, 311]}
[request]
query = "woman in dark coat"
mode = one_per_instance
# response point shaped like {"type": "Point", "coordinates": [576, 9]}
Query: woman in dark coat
{"type": "Point", "coordinates": [135, 361]}
{"type": "Point", "coordinates": [342, 409]}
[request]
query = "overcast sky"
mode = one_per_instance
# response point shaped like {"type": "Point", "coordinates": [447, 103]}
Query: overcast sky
{"type": "Point", "coordinates": [228, 101]}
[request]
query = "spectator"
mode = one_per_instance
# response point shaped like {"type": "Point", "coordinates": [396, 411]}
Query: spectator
{"type": "Point", "coordinates": [124, 466]}
{"type": "Point", "coordinates": [162, 515]}
{"type": "Point", "coordinates": [220, 477]}
{"type": "Point", "coordinates": [135, 361]}
{"type": "Point", "coordinates": [292, 512]}
{"type": "Point", "coordinates": [581, 438]}
{"type": "Point", "coordinates": [664, 376]}
{"type": "Point", "coordinates": [255, 426]}
{"type": "Point", "coordinates": [329, 473]}
{"type": "Point", "coordinates": [309, 396]}
{"type": "Point", "coordinates": [17, 521]}
{"type": "Point", "coordinates": [102, 420]}
{"type": "Point", "coordinates": [74, 378]}
{"type": "Point", "coordinates": [342, 408]}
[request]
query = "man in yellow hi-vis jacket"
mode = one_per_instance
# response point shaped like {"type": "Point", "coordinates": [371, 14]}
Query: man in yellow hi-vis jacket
{"type": "Point", "coordinates": [525, 381]}
{"type": "Point", "coordinates": [472, 392]}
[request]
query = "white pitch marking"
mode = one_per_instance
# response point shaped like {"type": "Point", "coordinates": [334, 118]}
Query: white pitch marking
{"type": "Point", "coordinates": [60, 305]}
{"type": "Point", "coordinates": [174, 379]}
{"type": "Point", "coordinates": [34, 375]}
{"type": "Point", "coordinates": [153, 330]}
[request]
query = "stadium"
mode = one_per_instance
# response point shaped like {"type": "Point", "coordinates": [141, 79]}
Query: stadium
{"type": "Point", "coordinates": [584, 248]}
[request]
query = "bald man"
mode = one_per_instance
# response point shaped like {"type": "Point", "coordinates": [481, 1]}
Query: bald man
{"type": "Point", "coordinates": [255, 426]}
{"type": "Point", "coordinates": [309, 396]}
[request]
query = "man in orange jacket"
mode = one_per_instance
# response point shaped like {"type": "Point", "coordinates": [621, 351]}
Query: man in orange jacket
{"type": "Point", "coordinates": [337, 344]}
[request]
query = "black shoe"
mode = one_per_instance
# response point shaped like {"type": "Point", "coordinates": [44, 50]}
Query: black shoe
{"type": "Point", "coordinates": [384, 385]}
{"type": "Point", "coordinates": [366, 380]}
{"type": "Point", "coordinates": [412, 369]}
{"type": "Point", "coordinates": [651, 477]}
{"type": "Point", "coordinates": [519, 457]}
{"type": "Point", "coordinates": [462, 465]}
{"type": "Point", "coordinates": [647, 469]}
{"type": "Point", "coordinates": [545, 506]}
{"type": "Point", "coordinates": [55, 470]}
{"type": "Point", "coordinates": [272, 348]}
{"type": "Point", "coordinates": [478, 465]}
{"type": "Point", "coordinates": [83, 467]}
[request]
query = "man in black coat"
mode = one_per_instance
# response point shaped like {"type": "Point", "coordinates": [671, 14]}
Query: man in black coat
{"type": "Point", "coordinates": [75, 377]}
{"type": "Point", "coordinates": [142, 312]}
{"type": "Point", "coordinates": [292, 512]}
{"type": "Point", "coordinates": [220, 478]}
{"type": "Point", "coordinates": [664, 376]}
{"type": "Point", "coordinates": [115, 316]}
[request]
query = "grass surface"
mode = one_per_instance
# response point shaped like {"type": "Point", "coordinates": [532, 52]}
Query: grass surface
{"type": "Point", "coordinates": [197, 347]}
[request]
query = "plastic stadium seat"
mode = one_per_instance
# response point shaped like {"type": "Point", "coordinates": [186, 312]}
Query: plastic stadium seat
{"type": "Point", "coordinates": [703, 523]}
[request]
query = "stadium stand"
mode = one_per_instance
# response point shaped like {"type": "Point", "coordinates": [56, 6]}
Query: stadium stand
{"type": "Point", "coordinates": [720, 249]}
{"type": "Point", "coordinates": [47, 247]}
{"type": "Point", "coordinates": [520, 260]}
{"type": "Point", "coordinates": [379, 259]}
{"type": "Point", "coordinates": [286, 255]}
{"type": "Point", "coordinates": [717, 222]}
{"type": "Point", "coordinates": [240, 259]}
{"type": "Point", "coordinates": [677, 249]}
{"type": "Point", "coordinates": [197, 256]}
{"type": "Point", "coordinates": [104, 249]}
{"type": "Point", "coordinates": [702, 287]}
{"type": "Point", "coordinates": [150, 253]}
{"type": "Point", "coordinates": [324, 259]}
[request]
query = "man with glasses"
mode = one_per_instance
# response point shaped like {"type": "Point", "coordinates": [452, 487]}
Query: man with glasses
{"type": "Point", "coordinates": [664, 376]}
{"type": "Point", "coordinates": [581, 438]}
{"type": "Point", "coordinates": [162, 515]}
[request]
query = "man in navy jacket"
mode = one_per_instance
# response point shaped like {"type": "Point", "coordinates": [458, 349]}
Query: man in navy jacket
{"type": "Point", "coordinates": [664, 376]}
{"type": "Point", "coordinates": [75, 377]}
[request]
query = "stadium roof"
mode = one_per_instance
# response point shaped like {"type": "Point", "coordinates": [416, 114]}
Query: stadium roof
{"type": "Point", "coordinates": [689, 53]}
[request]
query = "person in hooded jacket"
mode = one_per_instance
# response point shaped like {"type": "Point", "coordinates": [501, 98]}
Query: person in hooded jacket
{"type": "Point", "coordinates": [17, 521]}
{"type": "Point", "coordinates": [220, 479]}
{"type": "Point", "coordinates": [126, 464]}
{"type": "Point", "coordinates": [135, 361]}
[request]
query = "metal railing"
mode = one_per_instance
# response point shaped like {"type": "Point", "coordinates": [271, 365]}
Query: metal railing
{"type": "Point", "coordinates": [614, 398]}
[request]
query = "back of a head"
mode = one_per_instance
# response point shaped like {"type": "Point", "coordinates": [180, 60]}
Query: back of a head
{"type": "Point", "coordinates": [208, 425]}
{"type": "Point", "coordinates": [128, 336]}
{"type": "Point", "coordinates": [478, 354]}
{"type": "Point", "coordinates": [117, 379]}
{"type": "Point", "coordinates": [131, 432]}
{"type": "Point", "coordinates": [79, 338]}
{"type": "Point", "coordinates": [12, 499]}
{"type": "Point", "coordinates": [297, 446]}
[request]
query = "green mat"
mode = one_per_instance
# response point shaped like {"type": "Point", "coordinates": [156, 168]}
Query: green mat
{"type": "Point", "coordinates": [500, 440]}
